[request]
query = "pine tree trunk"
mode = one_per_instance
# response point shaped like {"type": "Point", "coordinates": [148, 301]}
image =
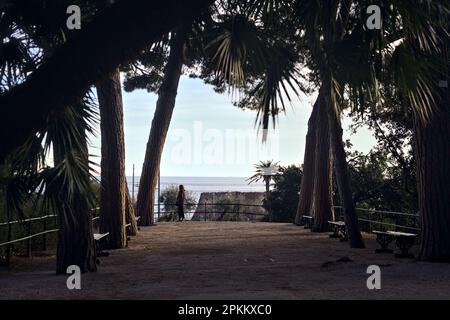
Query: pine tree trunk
{"type": "Point", "coordinates": [306, 196]}
{"type": "Point", "coordinates": [322, 199]}
{"type": "Point", "coordinates": [113, 181]}
{"type": "Point", "coordinates": [432, 151]}
{"type": "Point", "coordinates": [160, 125]}
{"type": "Point", "coordinates": [342, 177]}
{"type": "Point", "coordinates": [130, 214]}
{"type": "Point", "coordinates": [76, 244]}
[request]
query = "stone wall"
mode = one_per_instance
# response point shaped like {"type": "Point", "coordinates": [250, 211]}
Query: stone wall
{"type": "Point", "coordinates": [230, 206]}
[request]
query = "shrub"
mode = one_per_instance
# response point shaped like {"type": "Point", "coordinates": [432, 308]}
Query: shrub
{"type": "Point", "coordinates": [283, 199]}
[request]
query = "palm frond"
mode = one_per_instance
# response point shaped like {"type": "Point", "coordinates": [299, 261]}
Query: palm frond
{"type": "Point", "coordinates": [237, 48]}
{"type": "Point", "coordinates": [266, 11]}
{"type": "Point", "coordinates": [264, 170]}
{"type": "Point", "coordinates": [281, 79]}
{"type": "Point", "coordinates": [420, 21]}
{"type": "Point", "coordinates": [414, 76]}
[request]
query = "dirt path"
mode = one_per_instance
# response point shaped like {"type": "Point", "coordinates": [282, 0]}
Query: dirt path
{"type": "Point", "coordinates": [232, 260]}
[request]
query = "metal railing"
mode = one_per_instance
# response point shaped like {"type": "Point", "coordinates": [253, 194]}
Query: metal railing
{"type": "Point", "coordinates": [224, 211]}
{"type": "Point", "coordinates": [230, 212]}
{"type": "Point", "coordinates": [386, 220]}
{"type": "Point", "coordinates": [29, 236]}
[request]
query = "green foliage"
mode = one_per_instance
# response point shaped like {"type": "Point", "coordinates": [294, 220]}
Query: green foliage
{"type": "Point", "coordinates": [375, 181]}
{"type": "Point", "coordinates": [378, 184]}
{"type": "Point", "coordinates": [390, 167]}
{"type": "Point", "coordinates": [31, 187]}
{"type": "Point", "coordinates": [284, 196]}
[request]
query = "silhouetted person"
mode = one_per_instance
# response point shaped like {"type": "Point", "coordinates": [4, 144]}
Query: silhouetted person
{"type": "Point", "coordinates": [180, 203]}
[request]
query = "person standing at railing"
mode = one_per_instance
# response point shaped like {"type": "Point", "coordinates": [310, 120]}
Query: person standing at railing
{"type": "Point", "coordinates": [180, 203]}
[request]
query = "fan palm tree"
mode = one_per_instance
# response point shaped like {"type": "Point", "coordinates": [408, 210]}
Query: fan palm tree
{"type": "Point", "coordinates": [63, 188]}
{"type": "Point", "coordinates": [418, 70]}
{"type": "Point", "coordinates": [67, 186]}
{"type": "Point", "coordinates": [359, 62]}
{"type": "Point", "coordinates": [352, 62]}
{"type": "Point", "coordinates": [265, 170]}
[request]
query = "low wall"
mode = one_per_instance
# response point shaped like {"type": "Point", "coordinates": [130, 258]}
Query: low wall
{"type": "Point", "coordinates": [230, 206]}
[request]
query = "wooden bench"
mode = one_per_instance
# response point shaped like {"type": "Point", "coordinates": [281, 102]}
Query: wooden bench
{"type": "Point", "coordinates": [129, 225]}
{"type": "Point", "coordinates": [403, 240]}
{"type": "Point", "coordinates": [308, 221]}
{"type": "Point", "coordinates": [137, 220]}
{"type": "Point", "coordinates": [99, 244]}
{"type": "Point", "coordinates": [128, 231]}
{"type": "Point", "coordinates": [339, 230]}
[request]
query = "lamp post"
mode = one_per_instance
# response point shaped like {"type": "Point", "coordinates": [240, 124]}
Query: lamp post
{"type": "Point", "coordinates": [132, 186]}
{"type": "Point", "coordinates": [159, 193]}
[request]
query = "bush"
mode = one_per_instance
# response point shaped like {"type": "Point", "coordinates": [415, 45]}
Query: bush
{"type": "Point", "coordinates": [284, 197]}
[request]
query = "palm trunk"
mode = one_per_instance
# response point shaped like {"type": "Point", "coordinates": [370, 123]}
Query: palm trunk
{"type": "Point", "coordinates": [267, 198]}
{"type": "Point", "coordinates": [75, 239]}
{"type": "Point", "coordinates": [75, 236]}
{"type": "Point", "coordinates": [306, 196]}
{"type": "Point", "coordinates": [322, 203]}
{"type": "Point", "coordinates": [113, 181]}
{"type": "Point", "coordinates": [342, 177]}
{"type": "Point", "coordinates": [432, 151]}
{"type": "Point", "coordinates": [267, 189]}
{"type": "Point", "coordinates": [160, 125]}
{"type": "Point", "coordinates": [433, 185]}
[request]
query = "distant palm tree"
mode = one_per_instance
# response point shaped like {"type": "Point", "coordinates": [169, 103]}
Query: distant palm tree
{"type": "Point", "coordinates": [264, 171]}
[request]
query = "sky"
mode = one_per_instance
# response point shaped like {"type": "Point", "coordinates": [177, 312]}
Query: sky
{"type": "Point", "coordinates": [210, 137]}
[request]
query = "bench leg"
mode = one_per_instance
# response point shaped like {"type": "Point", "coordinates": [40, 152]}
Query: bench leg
{"type": "Point", "coordinates": [335, 234]}
{"type": "Point", "coordinates": [308, 224]}
{"type": "Point", "coordinates": [384, 241]}
{"type": "Point", "coordinates": [404, 244]}
{"type": "Point", "coordinates": [99, 249]}
{"type": "Point", "coordinates": [344, 235]}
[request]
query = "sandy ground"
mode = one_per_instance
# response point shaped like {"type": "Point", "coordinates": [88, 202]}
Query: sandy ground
{"type": "Point", "coordinates": [232, 260]}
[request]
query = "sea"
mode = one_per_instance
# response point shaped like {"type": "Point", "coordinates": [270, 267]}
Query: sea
{"type": "Point", "coordinates": [197, 185]}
